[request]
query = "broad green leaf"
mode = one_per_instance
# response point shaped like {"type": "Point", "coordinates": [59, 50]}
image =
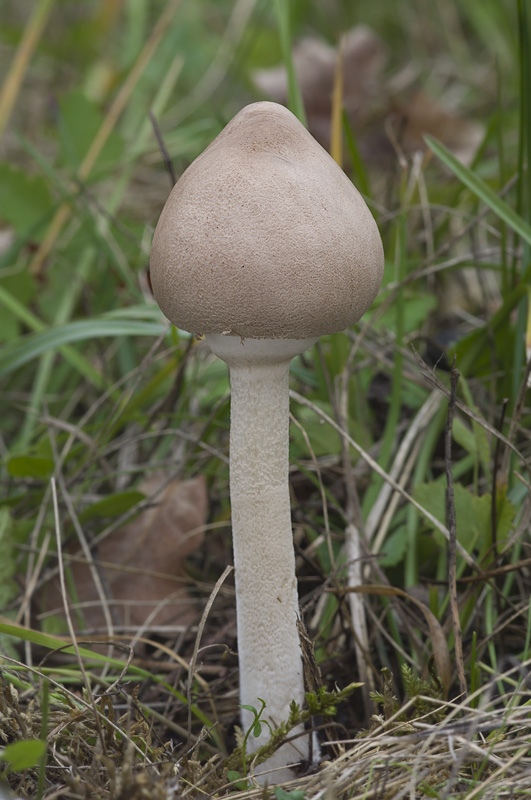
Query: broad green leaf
{"type": "Point", "coordinates": [23, 754]}
{"type": "Point", "coordinates": [236, 778]}
{"type": "Point", "coordinates": [472, 513]}
{"type": "Point", "coordinates": [336, 350]}
{"type": "Point", "coordinates": [416, 310]}
{"type": "Point", "coordinates": [282, 794]}
{"type": "Point", "coordinates": [394, 548]}
{"type": "Point", "coordinates": [323, 440]}
{"type": "Point", "coordinates": [249, 708]}
{"type": "Point", "coordinates": [113, 505]}
{"type": "Point", "coordinates": [30, 467]}
{"type": "Point", "coordinates": [55, 625]}
{"type": "Point", "coordinates": [19, 284]}
{"type": "Point", "coordinates": [464, 436]}
{"type": "Point", "coordinates": [478, 186]}
{"type": "Point", "coordinates": [25, 200]}
{"type": "Point", "coordinates": [505, 514]}
{"type": "Point", "coordinates": [79, 122]}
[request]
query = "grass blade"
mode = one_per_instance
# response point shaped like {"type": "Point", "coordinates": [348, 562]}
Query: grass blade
{"type": "Point", "coordinates": [336, 123]}
{"type": "Point", "coordinates": [114, 113]}
{"type": "Point", "coordinates": [294, 95]}
{"type": "Point", "coordinates": [77, 360]}
{"type": "Point", "coordinates": [33, 345]}
{"type": "Point", "coordinates": [61, 645]}
{"type": "Point", "coordinates": [361, 177]}
{"type": "Point", "coordinates": [481, 190]}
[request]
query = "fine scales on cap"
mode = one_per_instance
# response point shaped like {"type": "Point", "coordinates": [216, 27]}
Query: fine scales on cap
{"type": "Point", "coordinates": [264, 245]}
{"type": "Point", "coordinates": [265, 237]}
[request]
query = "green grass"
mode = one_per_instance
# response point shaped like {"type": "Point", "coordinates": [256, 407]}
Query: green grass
{"type": "Point", "coordinates": [99, 392]}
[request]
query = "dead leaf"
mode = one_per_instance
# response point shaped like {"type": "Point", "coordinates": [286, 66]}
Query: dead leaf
{"type": "Point", "coordinates": [371, 102]}
{"type": "Point", "coordinates": [315, 64]}
{"type": "Point", "coordinates": [420, 115]}
{"type": "Point", "coordinates": [141, 564]}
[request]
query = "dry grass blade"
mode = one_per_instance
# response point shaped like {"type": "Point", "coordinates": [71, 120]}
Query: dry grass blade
{"type": "Point", "coordinates": [94, 572]}
{"type": "Point", "coordinates": [322, 491]}
{"type": "Point", "coordinates": [412, 437]}
{"type": "Point", "coordinates": [67, 612]}
{"type": "Point", "coordinates": [441, 653]}
{"type": "Point", "coordinates": [355, 538]}
{"type": "Point", "coordinates": [33, 571]}
{"type": "Point", "coordinates": [478, 749]}
{"type": "Point", "coordinates": [202, 623]}
{"type": "Point", "coordinates": [355, 562]}
{"type": "Point", "coordinates": [19, 65]}
{"type": "Point", "coordinates": [515, 420]}
{"type": "Point", "coordinates": [336, 122]}
{"type": "Point", "coordinates": [434, 381]}
{"type": "Point", "coordinates": [383, 474]}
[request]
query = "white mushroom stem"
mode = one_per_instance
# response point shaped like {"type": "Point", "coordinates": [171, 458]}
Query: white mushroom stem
{"type": "Point", "coordinates": [266, 589]}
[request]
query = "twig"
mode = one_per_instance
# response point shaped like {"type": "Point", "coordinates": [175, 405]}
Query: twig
{"type": "Point", "coordinates": [483, 577]}
{"type": "Point", "coordinates": [495, 468]}
{"type": "Point", "coordinates": [431, 378]}
{"type": "Point", "coordinates": [163, 149]}
{"type": "Point", "coordinates": [515, 421]}
{"type": "Point", "coordinates": [452, 542]}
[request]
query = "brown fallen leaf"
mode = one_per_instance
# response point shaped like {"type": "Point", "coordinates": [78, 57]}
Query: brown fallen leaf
{"type": "Point", "coordinates": [373, 104]}
{"type": "Point", "coordinates": [141, 565]}
{"type": "Point", "coordinates": [315, 62]}
{"type": "Point", "coordinates": [421, 115]}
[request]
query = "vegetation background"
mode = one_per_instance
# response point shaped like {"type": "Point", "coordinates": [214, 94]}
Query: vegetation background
{"type": "Point", "coordinates": [114, 424]}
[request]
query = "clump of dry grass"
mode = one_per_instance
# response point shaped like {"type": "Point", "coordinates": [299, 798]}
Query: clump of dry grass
{"type": "Point", "coordinates": [472, 752]}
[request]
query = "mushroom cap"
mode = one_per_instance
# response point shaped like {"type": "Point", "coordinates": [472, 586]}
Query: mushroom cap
{"type": "Point", "coordinates": [265, 237]}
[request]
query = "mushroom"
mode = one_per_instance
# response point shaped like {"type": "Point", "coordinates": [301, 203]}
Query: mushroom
{"type": "Point", "coordinates": [264, 245]}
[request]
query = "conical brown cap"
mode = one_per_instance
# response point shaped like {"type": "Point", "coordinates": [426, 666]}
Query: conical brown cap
{"type": "Point", "coordinates": [265, 237]}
